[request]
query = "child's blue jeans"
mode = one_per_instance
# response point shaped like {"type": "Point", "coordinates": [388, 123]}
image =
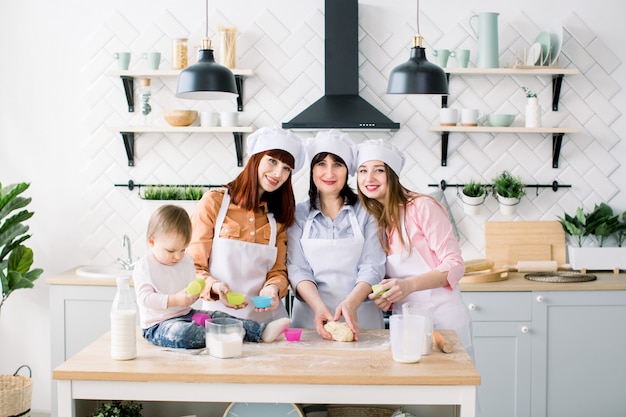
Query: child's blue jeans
{"type": "Point", "coordinates": [182, 332]}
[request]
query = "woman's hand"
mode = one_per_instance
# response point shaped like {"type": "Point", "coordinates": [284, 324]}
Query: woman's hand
{"type": "Point", "coordinates": [321, 318]}
{"type": "Point", "coordinates": [394, 291]}
{"type": "Point", "coordinates": [220, 289]}
{"type": "Point", "coordinates": [348, 312]}
{"type": "Point", "coordinates": [270, 291]}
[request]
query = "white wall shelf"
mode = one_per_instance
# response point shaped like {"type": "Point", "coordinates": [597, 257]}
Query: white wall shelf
{"type": "Point", "coordinates": [128, 79]}
{"type": "Point", "coordinates": [128, 136]}
{"type": "Point", "coordinates": [557, 136]}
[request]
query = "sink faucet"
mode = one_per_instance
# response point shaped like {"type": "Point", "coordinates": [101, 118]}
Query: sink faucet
{"type": "Point", "coordinates": [127, 263]}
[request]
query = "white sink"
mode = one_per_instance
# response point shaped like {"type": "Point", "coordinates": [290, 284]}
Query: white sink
{"type": "Point", "coordinates": [102, 271]}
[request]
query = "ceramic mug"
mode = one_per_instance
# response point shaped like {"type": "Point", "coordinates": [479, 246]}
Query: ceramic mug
{"type": "Point", "coordinates": [469, 117]}
{"type": "Point", "coordinates": [441, 57]}
{"type": "Point", "coordinates": [153, 58]}
{"type": "Point", "coordinates": [462, 57]}
{"type": "Point", "coordinates": [229, 118]}
{"type": "Point", "coordinates": [448, 117]}
{"type": "Point", "coordinates": [123, 60]}
{"type": "Point", "coordinates": [209, 118]}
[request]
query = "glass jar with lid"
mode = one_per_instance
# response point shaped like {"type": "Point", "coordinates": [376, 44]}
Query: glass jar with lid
{"type": "Point", "coordinates": [179, 53]}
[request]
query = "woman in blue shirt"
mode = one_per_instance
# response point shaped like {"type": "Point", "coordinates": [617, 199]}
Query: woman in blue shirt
{"type": "Point", "coordinates": [334, 255]}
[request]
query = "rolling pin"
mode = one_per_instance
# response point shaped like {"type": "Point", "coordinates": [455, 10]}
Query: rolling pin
{"type": "Point", "coordinates": [537, 266]}
{"type": "Point", "coordinates": [441, 342]}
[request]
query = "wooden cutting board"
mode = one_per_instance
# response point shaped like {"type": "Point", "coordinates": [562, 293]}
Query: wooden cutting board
{"type": "Point", "coordinates": [489, 275]}
{"type": "Point", "coordinates": [506, 243]}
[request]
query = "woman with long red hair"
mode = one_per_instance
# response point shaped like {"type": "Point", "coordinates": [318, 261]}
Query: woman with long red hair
{"type": "Point", "coordinates": [239, 232]}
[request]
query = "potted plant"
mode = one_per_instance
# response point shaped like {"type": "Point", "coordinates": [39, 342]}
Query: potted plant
{"type": "Point", "coordinates": [118, 409]}
{"type": "Point", "coordinates": [595, 238]}
{"type": "Point", "coordinates": [15, 258]}
{"type": "Point", "coordinates": [473, 194]}
{"type": "Point", "coordinates": [508, 190]}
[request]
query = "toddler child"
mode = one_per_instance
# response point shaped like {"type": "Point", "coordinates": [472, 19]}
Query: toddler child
{"type": "Point", "coordinates": [161, 278]}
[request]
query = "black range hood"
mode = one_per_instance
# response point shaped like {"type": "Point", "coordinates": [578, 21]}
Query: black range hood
{"type": "Point", "coordinates": [341, 107]}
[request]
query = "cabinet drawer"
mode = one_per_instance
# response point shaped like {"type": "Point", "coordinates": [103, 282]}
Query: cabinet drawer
{"type": "Point", "coordinates": [498, 306]}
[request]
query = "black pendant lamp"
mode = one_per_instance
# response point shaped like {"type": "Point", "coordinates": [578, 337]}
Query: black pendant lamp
{"type": "Point", "coordinates": [206, 80]}
{"type": "Point", "coordinates": [417, 75]}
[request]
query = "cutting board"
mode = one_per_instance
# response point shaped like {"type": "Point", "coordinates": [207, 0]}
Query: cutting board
{"type": "Point", "coordinates": [489, 275]}
{"type": "Point", "coordinates": [506, 243]}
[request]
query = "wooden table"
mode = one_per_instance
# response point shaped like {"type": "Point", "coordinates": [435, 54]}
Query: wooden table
{"type": "Point", "coordinates": [310, 371]}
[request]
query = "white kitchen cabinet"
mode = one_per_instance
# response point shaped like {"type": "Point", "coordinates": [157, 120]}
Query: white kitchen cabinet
{"type": "Point", "coordinates": [549, 353]}
{"type": "Point", "coordinates": [502, 351]}
{"type": "Point", "coordinates": [79, 314]}
{"type": "Point", "coordinates": [578, 347]}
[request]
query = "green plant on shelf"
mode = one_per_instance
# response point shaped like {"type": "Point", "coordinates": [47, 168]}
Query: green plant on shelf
{"type": "Point", "coordinates": [172, 192]}
{"type": "Point", "coordinates": [529, 93]}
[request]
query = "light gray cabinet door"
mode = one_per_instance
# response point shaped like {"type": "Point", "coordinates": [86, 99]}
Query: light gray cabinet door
{"type": "Point", "coordinates": [501, 333]}
{"type": "Point", "coordinates": [579, 353]}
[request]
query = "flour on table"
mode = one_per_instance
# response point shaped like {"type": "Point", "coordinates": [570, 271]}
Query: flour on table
{"type": "Point", "coordinates": [339, 331]}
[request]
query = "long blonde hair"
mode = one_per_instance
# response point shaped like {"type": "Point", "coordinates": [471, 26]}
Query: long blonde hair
{"type": "Point", "coordinates": [388, 214]}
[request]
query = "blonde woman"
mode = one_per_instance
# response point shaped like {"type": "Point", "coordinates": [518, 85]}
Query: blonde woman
{"type": "Point", "coordinates": [424, 262]}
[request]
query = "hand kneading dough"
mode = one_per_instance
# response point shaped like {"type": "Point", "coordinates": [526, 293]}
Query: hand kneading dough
{"type": "Point", "coordinates": [339, 331]}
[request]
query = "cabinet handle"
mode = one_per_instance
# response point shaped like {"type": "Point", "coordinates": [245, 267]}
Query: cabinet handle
{"type": "Point", "coordinates": [472, 307]}
{"type": "Point", "coordinates": [524, 329]}
{"type": "Point", "coordinates": [540, 298]}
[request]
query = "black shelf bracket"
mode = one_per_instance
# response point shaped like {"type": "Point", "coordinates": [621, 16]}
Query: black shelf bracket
{"type": "Point", "coordinates": [239, 83]}
{"type": "Point", "coordinates": [557, 141]}
{"type": "Point", "coordinates": [239, 147]}
{"type": "Point", "coordinates": [444, 98]}
{"type": "Point", "coordinates": [128, 83]}
{"type": "Point", "coordinates": [444, 148]}
{"type": "Point", "coordinates": [129, 146]}
{"type": "Point", "coordinates": [557, 81]}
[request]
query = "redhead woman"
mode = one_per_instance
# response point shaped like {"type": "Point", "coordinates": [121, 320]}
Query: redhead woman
{"type": "Point", "coordinates": [239, 232]}
{"type": "Point", "coordinates": [334, 256]}
{"type": "Point", "coordinates": [424, 262]}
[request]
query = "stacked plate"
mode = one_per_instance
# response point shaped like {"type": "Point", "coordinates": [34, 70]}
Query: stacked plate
{"type": "Point", "coordinates": [546, 48]}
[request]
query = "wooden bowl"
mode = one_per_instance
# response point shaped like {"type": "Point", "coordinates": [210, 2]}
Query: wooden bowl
{"type": "Point", "coordinates": [180, 117]}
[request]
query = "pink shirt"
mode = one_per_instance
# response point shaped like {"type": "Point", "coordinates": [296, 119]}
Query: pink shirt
{"type": "Point", "coordinates": [430, 231]}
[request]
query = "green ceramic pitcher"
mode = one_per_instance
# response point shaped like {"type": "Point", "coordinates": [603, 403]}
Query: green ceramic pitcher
{"type": "Point", "coordinates": [487, 33]}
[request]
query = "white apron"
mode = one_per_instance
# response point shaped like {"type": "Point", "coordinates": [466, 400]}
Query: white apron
{"type": "Point", "coordinates": [449, 311]}
{"type": "Point", "coordinates": [243, 266]}
{"type": "Point", "coordinates": [335, 265]}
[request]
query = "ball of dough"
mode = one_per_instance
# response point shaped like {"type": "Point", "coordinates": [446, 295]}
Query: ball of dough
{"type": "Point", "coordinates": [339, 331]}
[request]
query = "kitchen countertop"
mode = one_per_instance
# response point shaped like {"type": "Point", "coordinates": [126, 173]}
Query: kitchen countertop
{"type": "Point", "coordinates": [515, 282]}
{"type": "Point", "coordinates": [306, 372]}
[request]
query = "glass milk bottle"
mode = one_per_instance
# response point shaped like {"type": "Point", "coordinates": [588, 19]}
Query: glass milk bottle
{"type": "Point", "coordinates": [123, 322]}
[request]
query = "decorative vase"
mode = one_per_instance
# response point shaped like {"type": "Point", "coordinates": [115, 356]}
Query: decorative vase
{"type": "Point", "coordinates": [471, 205]}
{"type": "Point", "coordinates": [533, 113]}
{"type": "Point", "coordinates": [507, 205]}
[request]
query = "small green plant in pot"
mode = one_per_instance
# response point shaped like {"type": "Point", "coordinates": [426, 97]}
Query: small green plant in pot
{"type": "Point", "coordinates": [473, 196]}
{"type": "Point", "coordinates": [15, 258]}
{"type": "Point", "coordinates": [508, 190]}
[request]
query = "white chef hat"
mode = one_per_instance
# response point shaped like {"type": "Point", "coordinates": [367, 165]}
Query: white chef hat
{"type": "Point", "coordinates": [335, 142]}
{"type": "Point", "coordinates": [381, 150]}
{"type": "Point", "coordinates": [268, 138]}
